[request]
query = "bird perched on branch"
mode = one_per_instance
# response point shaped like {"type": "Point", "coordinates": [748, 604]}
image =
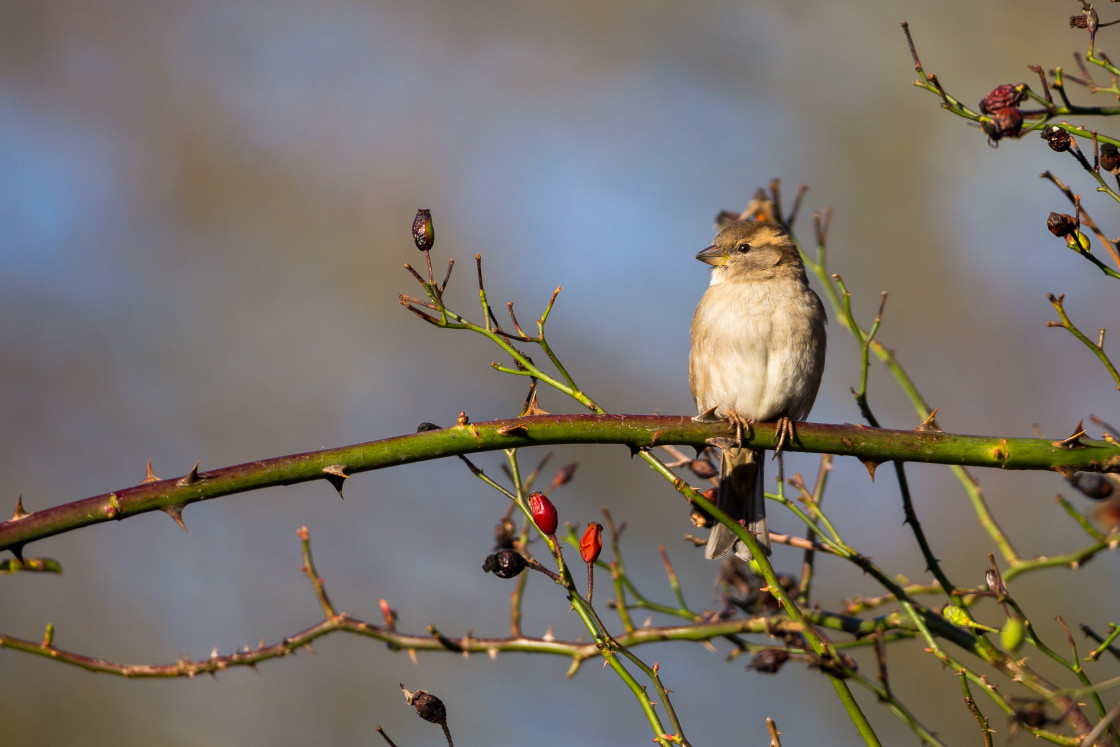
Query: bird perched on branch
{"type": "Point", "coordinates": [758, 343]}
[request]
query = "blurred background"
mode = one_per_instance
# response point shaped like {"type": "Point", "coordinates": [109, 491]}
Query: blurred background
{"type": "Point", "coordinates": [204, 210]}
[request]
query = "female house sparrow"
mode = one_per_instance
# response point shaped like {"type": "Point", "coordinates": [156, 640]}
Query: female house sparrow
{"type": "Point", "coordinates": [758, 343]}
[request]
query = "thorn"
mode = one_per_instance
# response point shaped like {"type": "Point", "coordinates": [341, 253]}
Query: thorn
{"type": "Point", "coordinates": [727, 445]}
{"type": "Point", "coordinates": [176, 513]}
{"type": "Point", "coordinates": [17, 550]}
{"type": "Point", "coordinates": [336, 475]}
{"type": "Point", "coordinates": [19, 512]}
{"type": "Point", "coordinates": [1065, 471]}
{"type": "Point", "coordinates": [150, 476]}
{"type": "Point", "coordinates": [929, 424]}
{"type": "Point", "coordinates": [1072, 441]}
{"type": "Point", "coordinates": [871, 466]}
{"type": "Point", "coordinates": [708, 416]}
{"type": "Point", "coordinates": [191, 478]}
{"type": "Point", "coordinates": [533, 408]}
{"type": "Point", "coordinates": [509, 430]}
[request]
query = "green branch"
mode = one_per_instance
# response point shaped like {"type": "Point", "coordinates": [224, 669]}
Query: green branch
{"type": "Point", "coordinates": [634, 431]}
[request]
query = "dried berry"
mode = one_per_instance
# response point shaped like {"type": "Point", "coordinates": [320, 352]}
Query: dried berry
{"type": "Point", "coordinates": [504, 563]}
{"type": "Point", "coordinates": [999, 97]}
{"type": "Point", "coordinates": [505, 532]}
{"type": "Point", "coordinates": [428, 707]}
{"type": "Point", "coordinates": [843, 668]}
{"type": "Point", "coordinates": [1093, 484]}
{"type": "Point", "coordinates": [1032, 714]}
{"type": "Point", "coordinates": [769, 660]}
{"type": "Point", "coordinates": [422, 231]}
{"type": "Point", "coordinates": [1110, 158]}
{"type": "Point", "coordinates": [592, 542]}
{"type": "Point", "coordinates": [1061, 224]}
{"type": "Point", "coordinates": [544, 513]}
{"type": "Point", "coordinates": [703, 469]}
{"type": "Point", "coordinates": [564, 474]}
{"type": "Point", "coordinates": [1058, 139]}
{"type": "Point", "coordinates": [698, 515]}
{"type": "Point", "coordinates": [1005, 122]}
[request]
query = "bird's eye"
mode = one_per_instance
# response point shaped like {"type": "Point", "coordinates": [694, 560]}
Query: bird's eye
{"type": "Point", "coordinates": [743, 248]}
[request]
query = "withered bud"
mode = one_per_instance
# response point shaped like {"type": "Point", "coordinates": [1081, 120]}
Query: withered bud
{"type": "Point", "coordinates": [428, 707]}
{"type": "Point", "coordinates": [768, 602]}
{"type": "Point", "coordinates": [703, 469]}
{"type": "Point", "coordinates": [842, 668]}
{"type": "Point", "coordinates": [505, 532]}
{"type": "Point", "coordinates": [698, 515]}
{"type": "Point", "coordinates": [1078, 22]}
{"type": "Point", "coordinates": [1005, 122]}
{"type": "Point", "coordinates": [422, 231]}
{"type": "Point", "coordinates": [726, 217]}
{"type": "Point", "coordinates": [769, 660]}
{"type": "Point", "coordinates": [999, 97]}
{"type": "Point", "coordinates": [1032, 714]}
{"type": "Point", "coordinates": [995, 584]}
{"type": "Point", "coordinates": [1061, 224]}
{"type": "Point", "coordinates": [1093, 484]}
{"type": "Point", "coordinates": [1110, 158]}
{"type": "Point", "coordinates": [564, 474]}
{"type": "Point", "coordinates": [1058, 139]}
{"type": "Point", "coordinates": [504, 563]}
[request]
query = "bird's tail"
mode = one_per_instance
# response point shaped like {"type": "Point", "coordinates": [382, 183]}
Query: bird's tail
{"type": "Point", "coordinates": [740, 497]}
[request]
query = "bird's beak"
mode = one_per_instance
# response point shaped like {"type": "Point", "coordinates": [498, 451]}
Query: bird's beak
{"type": "Point", "coordinates": [713, 255]}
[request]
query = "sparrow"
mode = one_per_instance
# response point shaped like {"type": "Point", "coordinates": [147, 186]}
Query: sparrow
{"type": "Point", "coordinates": [758, 344]}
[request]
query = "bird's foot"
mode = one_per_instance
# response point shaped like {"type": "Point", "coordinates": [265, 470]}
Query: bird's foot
{"type": "Point", "coordinates": [786, 433]}
{"type": "Point", "coordinates": [733, 418]}
{"type": "Point", "coordinates": [740, 424]}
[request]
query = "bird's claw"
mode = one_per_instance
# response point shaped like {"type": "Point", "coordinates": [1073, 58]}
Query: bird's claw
{"type": "Point", "coordinates": [786, 432]}
{"type": "Point", "coordinates": [740, 424]}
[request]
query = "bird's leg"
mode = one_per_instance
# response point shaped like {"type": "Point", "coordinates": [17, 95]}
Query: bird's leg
{"type": "Point", "coordinates": [786, 433]}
